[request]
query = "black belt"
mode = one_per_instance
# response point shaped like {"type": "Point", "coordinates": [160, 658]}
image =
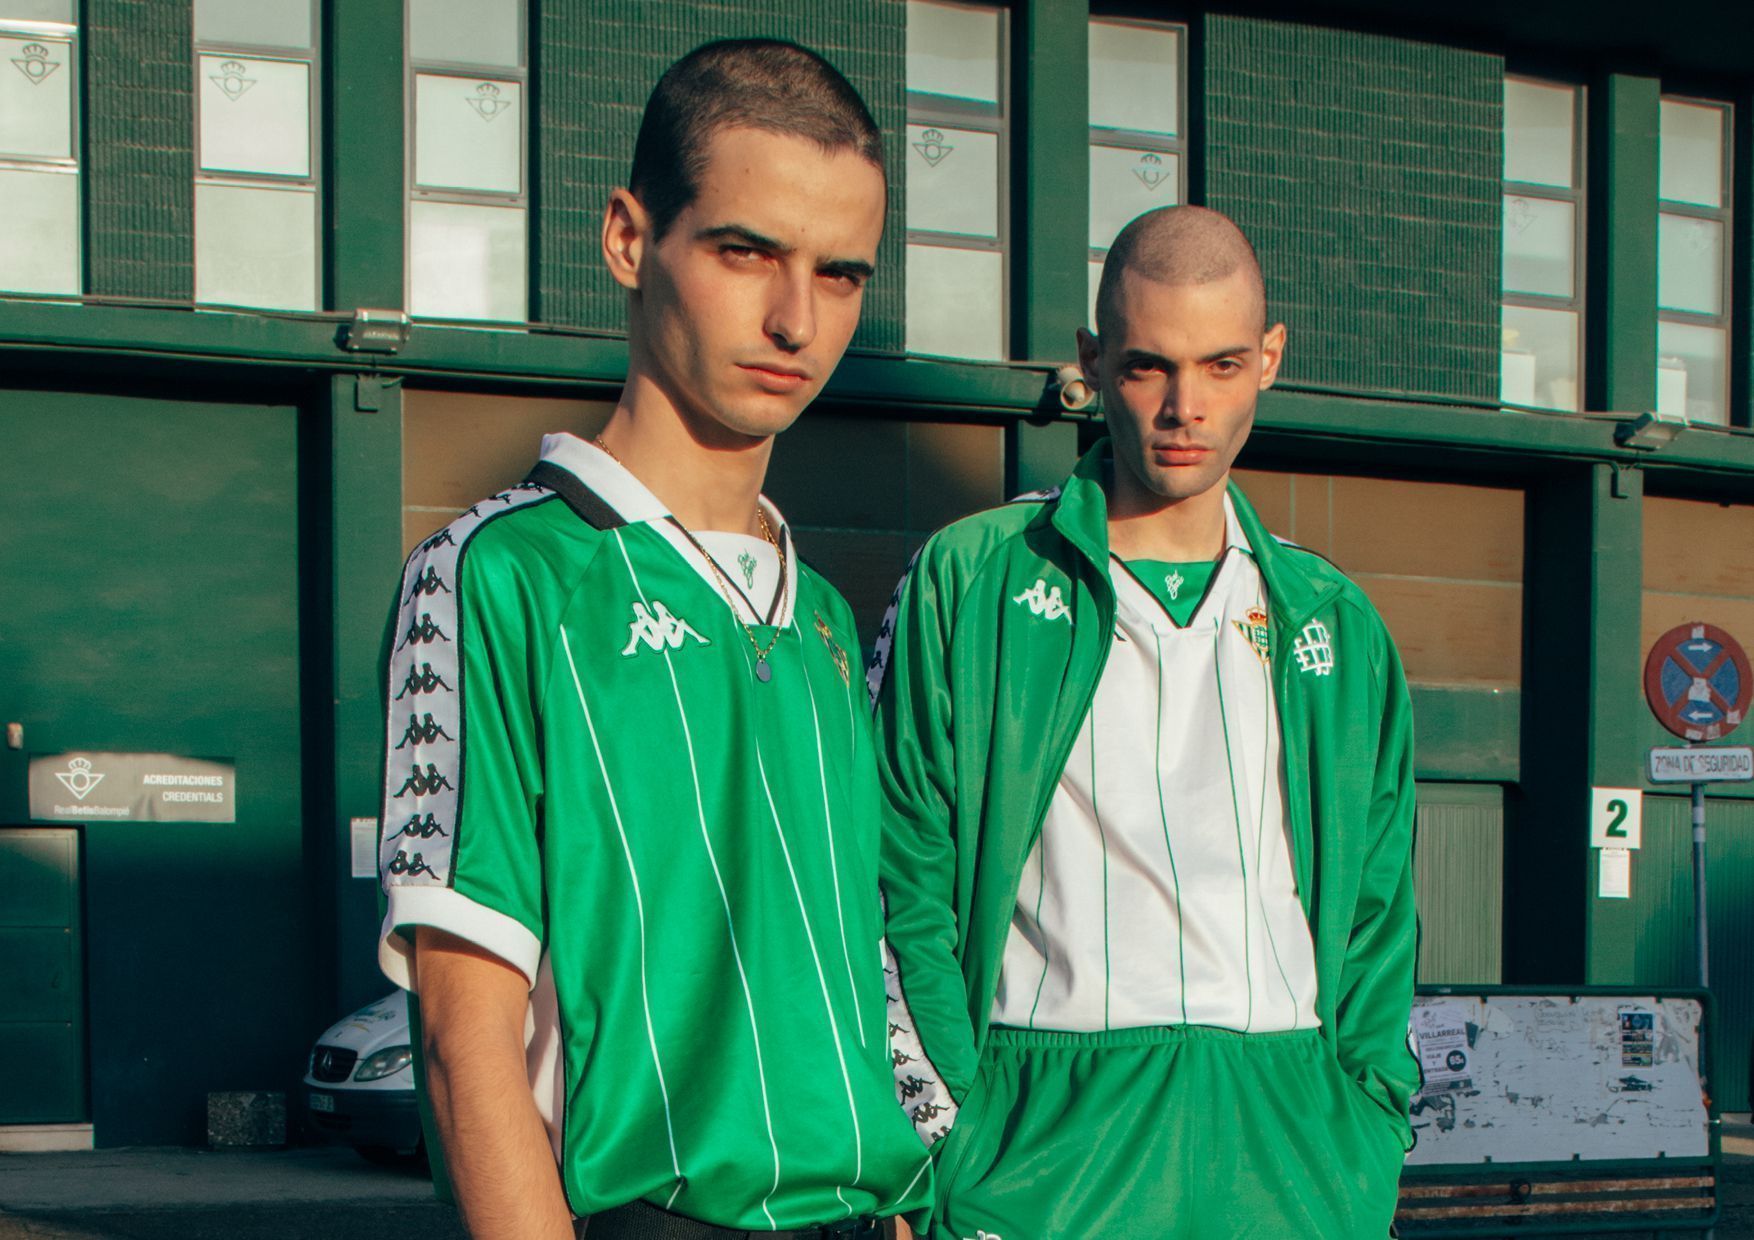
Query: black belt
{"type": "Point", "coordinates": [640, 1220]}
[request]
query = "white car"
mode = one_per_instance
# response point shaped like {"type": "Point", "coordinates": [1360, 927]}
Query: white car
{"type": "Point", "coordinates": [359, 1084]}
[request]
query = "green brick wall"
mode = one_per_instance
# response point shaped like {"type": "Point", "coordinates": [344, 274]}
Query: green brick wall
{"type": "Point", "coordinates": [139, 148]}
{"type": "Point", "coordinates": [596, 62]}
{"type": "Point", "coordinates": [1366, 171]}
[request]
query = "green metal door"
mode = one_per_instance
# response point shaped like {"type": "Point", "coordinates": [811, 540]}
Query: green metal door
{"type": "Point", "coordinates": [1458, 874]}
{"type": "Point", "coordinates": [42, 987]}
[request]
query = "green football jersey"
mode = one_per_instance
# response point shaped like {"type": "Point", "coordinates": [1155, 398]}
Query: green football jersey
{"type": "Point", "coordinates": [594, 774]}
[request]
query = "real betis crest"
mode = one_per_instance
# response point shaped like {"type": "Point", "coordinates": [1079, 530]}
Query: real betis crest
{"type": "Point", "coordinates": [834, 649]}
{"type": "Point", "coordinates": [1255, 629]}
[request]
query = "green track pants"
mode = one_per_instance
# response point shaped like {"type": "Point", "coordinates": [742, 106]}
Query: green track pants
{"type": "Point", "coordinates": [1166, 1134]}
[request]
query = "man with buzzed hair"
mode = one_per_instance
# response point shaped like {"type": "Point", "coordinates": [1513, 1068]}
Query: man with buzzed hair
{"type": "Point", "coordinates": [644, 926]}
{"type": "Point", "coordinates": [1148, 845]}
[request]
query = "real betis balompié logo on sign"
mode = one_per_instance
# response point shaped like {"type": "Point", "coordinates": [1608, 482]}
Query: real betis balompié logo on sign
{"type": "Point", "coordinates": [1254, 627]}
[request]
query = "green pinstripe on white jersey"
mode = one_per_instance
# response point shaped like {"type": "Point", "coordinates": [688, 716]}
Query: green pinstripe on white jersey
{"type": "Point", "coordinates": [676, 854]}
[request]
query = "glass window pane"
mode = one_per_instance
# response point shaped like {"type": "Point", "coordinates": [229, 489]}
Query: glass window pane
{"type": "Point", "coordinates": [254, 23]}
{"type": "Point", "coordinates": [1095, 283]}
{"type": "Point", "coordinates": [39, 232]}
{"type": "Point", "coordinates": [1539, 365]}
{"type": "Point", "coordinates": [36, 102]}
{"type": "Point", "coordinates": [1692, 159]}
{"type": "Point", "coordinates": [467, 262]}
{"type": "Point", "coordinates": [1124, 184]}
{"type": "Point", "coordinates": [255, 116]}
{"type": "Point", "coordinates": [256, 246]}
{"type": "Point", "coordinates": [1690, 264]}
{"type": "Point", "coordinates": [37, 10]}
{"type": "Point", "coordinates": [468, 134]}
{"type": "Point", "coordinates": [953, 181]}
{"type": "Point", "coordinates": [1135, 77]}
{"type": "Point", "coordinates": [1539, 239]}
{"type": "Point", "coordinates": [953, 50]}
{"type": "Point", "coordinates": [1692, 378]}
{"type": "Point", "coordinates": [1539, 145]}
{"type": "Point", "coordinates": [955, 302]}
{"type": "Point", "coordinates": [470, 32]}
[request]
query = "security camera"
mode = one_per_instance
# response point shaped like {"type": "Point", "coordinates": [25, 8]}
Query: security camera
{"type": "Point", "coordinates": [1076, 394]}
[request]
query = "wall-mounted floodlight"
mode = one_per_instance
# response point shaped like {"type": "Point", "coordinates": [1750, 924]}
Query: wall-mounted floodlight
{"type": "Point", "coordinates": [1074, 391]}
{"type": "Point", "coordinates": [375, 331]}
{"type": "Point", "coordinates": [1648, 431]}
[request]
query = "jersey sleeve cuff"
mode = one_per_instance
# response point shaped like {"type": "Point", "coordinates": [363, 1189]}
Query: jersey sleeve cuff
{"type": "Point", "coordinates": [447, 910]}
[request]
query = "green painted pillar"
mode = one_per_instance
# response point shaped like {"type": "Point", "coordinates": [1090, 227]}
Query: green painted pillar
{"type": "Point", "coordinates": [1050, 178]}
{"type": "Point", "coordinates": [1621, 316]}
{"type": "Point", "coordinates": [364, 545]}
{"type": "Point", "coordinates": [363, 154]}
{"type": "Point", "coordinates": [1581, 724]}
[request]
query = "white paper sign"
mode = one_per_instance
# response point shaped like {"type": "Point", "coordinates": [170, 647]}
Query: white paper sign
{"type": "Point", "coordinates": [365, 847]}
{"type": "Point", "coordinates": [1614, 878]}
{"type": "Point", "coordinates": [1616, 817]}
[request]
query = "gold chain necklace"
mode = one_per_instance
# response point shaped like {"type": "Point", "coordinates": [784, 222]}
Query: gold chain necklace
{"type": "Point", "coordinates": [763, 673]}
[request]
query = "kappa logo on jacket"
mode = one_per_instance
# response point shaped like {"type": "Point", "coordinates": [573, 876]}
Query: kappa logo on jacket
{"type": "Point", "coordinates": [658, 628]}
{"type": "Point", "coordinates": [1045, 601]}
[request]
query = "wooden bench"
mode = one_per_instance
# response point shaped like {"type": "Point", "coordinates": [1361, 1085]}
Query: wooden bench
{"type": "Point", "coordinates": [1485, 1202]}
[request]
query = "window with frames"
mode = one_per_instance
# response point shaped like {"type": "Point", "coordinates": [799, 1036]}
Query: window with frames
{"type": "Point", "coordinates": [1543, 239]}
{"type": "Point", "coordinates": [468, 168]}
{"type": "Point", "coordinates": [1138, 142]}
{"type": "Point", "coordinates": [1693, 261]}
{"type": "Point", "coordinates": [956, 175]}
{"type": "Point", "coordinates": [257, 240]}
{"type": "Point", "coordinates": [39, 148]}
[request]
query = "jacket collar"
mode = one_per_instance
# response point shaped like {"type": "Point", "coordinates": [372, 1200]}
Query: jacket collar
{"type": "Point", "coordinates": [1080, 515]}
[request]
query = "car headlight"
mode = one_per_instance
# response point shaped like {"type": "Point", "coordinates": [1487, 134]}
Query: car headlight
{"type": "Point", "coordinates": [387, 1062]}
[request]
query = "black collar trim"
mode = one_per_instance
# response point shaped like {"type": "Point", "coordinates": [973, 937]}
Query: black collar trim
{"type": "Point", "coordinates": [592, 509]}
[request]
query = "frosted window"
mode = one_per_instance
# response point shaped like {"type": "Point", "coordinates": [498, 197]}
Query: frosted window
{"type": "Point", "coordinates": [1690, 264]}
{"type": "Point", "coordinates": [470, 32]}
{"type": "Point", "coordinates": [467, 262]}
{"type": "Point", "coordinates": [468, 134]}
{"type": "Point", "coordinates": [37, 10]}
{"type": "Point", "coordinates": [1539, 236]}
{"type": "Point", "coordinates": [955, 302]}
{"type": "Point", "coordinates": [953, 50]}
{"type": "Point", "coordinates": [39, 232]}
{"type": "Point", "coordinates": [256, 246]}
{"type": "Point", "coordinates": [1692, 376]}
{"type": "Point", "coordinates": [1124, 184]}
{"type": "Point", "coordinates": [953, 181]}
{"type": "Point", "coordinates": [1539, 362]}
{"type": "Point", "coordinates": [1539, 133]}
{"type": "Point", "coordinates": [255, 116]}
{"type": "Point", "coordinates": [1135, 74]}
{"type": "Point", "coordinates": [254, 23]}
{"type": "Point", "coordinates": [1692, 161]}
{"type": "Point", "coordinates": [36, 98]}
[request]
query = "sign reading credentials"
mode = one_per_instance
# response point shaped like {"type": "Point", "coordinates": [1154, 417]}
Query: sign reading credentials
{"type": "Point", "coordinates": [131, 787]}
{"type": "Point", "coordinates": [1716, 765]}
{"type": "Point", "coordinates": [1697, 682]}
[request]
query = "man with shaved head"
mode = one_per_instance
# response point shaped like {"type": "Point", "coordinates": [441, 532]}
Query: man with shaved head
{"type": "Point", "coordinates": [1149, 794]}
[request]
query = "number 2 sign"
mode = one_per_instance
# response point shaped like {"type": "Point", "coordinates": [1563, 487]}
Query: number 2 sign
{"type": "Point", "coordinates": [1616, 817]}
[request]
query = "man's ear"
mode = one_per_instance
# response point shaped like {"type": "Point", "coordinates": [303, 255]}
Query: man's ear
{"type": "Point", "coordinates": [1272, 353]}
{"type": "Point", "coordinates": [1089, 351]}
{"type": "Point", "coordinates": [627, 231]}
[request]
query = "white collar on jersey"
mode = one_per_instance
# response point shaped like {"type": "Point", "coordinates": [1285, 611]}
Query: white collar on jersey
{"type": "Point", "coordinates": [634, 503]}
{"type": "Point", "coordinates": [1233, 535]}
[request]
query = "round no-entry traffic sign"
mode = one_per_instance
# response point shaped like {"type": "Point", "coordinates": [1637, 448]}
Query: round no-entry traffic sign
{"type": "Point", "coordinates": [1697, 682]}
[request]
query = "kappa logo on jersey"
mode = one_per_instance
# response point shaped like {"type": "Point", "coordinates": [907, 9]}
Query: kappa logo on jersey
{"type": "Point", "coordinates": [412, 867]}
{"type": "Point", "coordinates": [658, 629]}
{"type": "Point", "coordinates": [1045, 601]}
{"type": "Point", "coordinates": [441, 539]}
{"type": "Point", "coordinates": [423, 732]}
{"type": "Point", "coordinates": [424, 783]}
{"type": "Point", "coordinates": [423, 681]}
{"type": "Point", "coordinates": [421, 828]}
{"type": "Point", "coordinates": [431, 583]}
{"type": "Point", "coordinates": [984, 1235]}
{"type": "Point", "coordinates": [1314, 649]}
{"type": "Point", "coordinates": [423, 632]}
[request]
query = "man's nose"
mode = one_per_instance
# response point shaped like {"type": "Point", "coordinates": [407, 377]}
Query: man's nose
{"type": "Point", "coordinates": [791, 316]}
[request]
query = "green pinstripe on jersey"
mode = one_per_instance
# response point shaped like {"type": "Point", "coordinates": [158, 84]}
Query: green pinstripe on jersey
{"type": "Point", "coordinates": [692, 856]}
{"type": "Point", "coordinates": [1181, 947]}
{"type": "Point", "coordinates": [1236, 814]}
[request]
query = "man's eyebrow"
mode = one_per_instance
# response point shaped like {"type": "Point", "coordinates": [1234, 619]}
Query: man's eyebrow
{"type": "Point", "coordinates": [1133, 357]}
{"type": "Point", "coordinates": [742, 236]}
{"type": "Point", "coordinates": [1232, 351]}
{"type": "Point", "coordinates": [857, 268]}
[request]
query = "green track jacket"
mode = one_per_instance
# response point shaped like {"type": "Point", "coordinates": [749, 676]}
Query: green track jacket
{"type": "Point", "coordinates": [979, 701]}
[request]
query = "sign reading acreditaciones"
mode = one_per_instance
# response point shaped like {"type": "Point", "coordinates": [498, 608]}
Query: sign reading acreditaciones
{"type": "Point", "coordinates": [87, 786]}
